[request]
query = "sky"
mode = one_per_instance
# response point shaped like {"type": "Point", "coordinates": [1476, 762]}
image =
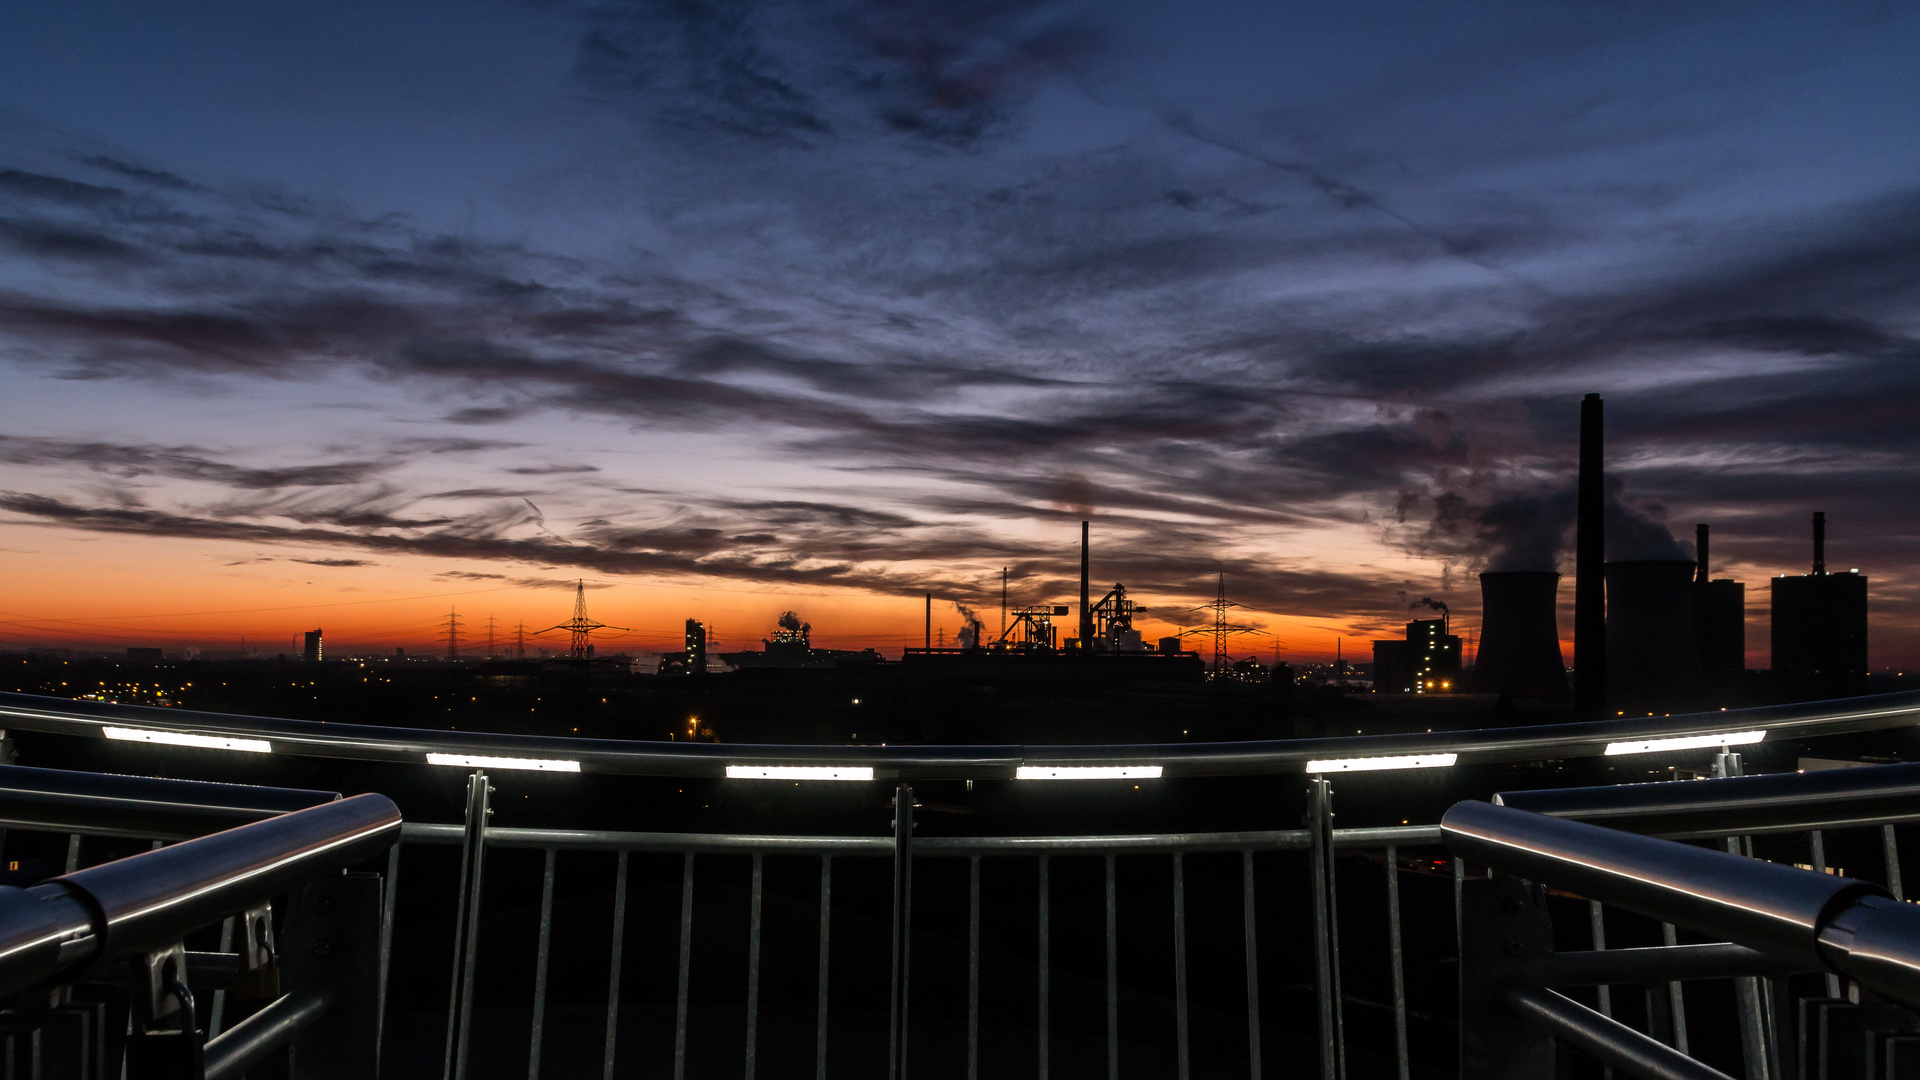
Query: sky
{"type": "Point", "coordinates": [355, 315]}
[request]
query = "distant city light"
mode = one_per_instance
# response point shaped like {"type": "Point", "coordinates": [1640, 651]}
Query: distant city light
{"type": "Point", "coordinates": [1088, 772]}
{"type": "Point", "coordinates": [799, 772]}
{"type": "Point", "coordinates": [1373, 764]}
{"type": "Point", "coordinates": [177, 738]}
{"type": "Point", "coordinates": [1685, 742]}
{"type": "Point", "coordinates": [479, 761]}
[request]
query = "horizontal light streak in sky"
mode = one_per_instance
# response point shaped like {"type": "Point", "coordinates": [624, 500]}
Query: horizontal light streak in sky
{"type": "Point", "coordinates": [180, 738]}
{"type": "Point", "coordinates": [1685, 742]}
{"type": "Point", "coordinates": [1376, 764]}
{"type": "Point", "coordinates": [799, 772]}
{"type": "Point", "coordinates": [1088, 772]}
{"type": "Point", "coordinates": [482, 761]}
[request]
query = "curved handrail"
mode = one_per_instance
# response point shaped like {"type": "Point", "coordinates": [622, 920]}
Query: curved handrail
{"type": "Point", "coordinates": [309, 738]}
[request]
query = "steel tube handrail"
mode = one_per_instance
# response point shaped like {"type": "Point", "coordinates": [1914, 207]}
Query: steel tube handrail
{"type": "Point", "coordinates": [1613, 1042]}
{"type": "Point", "coordinates": [1776, 909]}
{"type": "Point", "coordinates": [1663, 963]}
{"type": "Point", "coordinates": [362, 742]}
{"type": "Point", "coordinates": [230, 1054]}
{"type": "Point", "coordinates": [151, 900]}
{"type": "Point", "coordinates": [144, 807]}
{"type": "Point", "coordinates": [1742, 805]}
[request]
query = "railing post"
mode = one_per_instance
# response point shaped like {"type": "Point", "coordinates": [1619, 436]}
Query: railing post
{"type": "Point", "coordinates": [1755, 1039]}
{"type": "Point", "coordinates": [1326, 932]}
{"type": "Point", "coordinates": [1505, 939]}
{"type": "Point", "coordinates": [332, 940]}
{"type": "Point", "coordinates": [466, 927]}
{"type": "Point", "coordinates": [902, 930]}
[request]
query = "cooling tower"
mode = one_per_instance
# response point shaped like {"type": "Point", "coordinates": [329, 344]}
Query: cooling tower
{"type": "Point", "coordinates": [1520, 636]}
{"type": "Point", "coordinates": [1653, 660]}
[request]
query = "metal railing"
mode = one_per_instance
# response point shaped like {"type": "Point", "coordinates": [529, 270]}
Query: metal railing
{"type": "Point", "coordinates": [1778, 920]}
{"type": "Point", "coordinates": [1279, 903]}
{"type": "Point", "coordinates": [96, 720]}
{"type": "Point", "coordinates": [124, 923]}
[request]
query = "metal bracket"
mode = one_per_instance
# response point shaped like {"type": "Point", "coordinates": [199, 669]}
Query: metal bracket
{"type": "Point", "coordinates": [259, 962]}
{"type": "Point", "coordinates": [157, 979]}
{"type": "Point", "coordinates": [1506, 939]}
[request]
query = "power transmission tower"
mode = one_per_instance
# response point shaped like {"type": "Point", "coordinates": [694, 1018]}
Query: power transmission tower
{"type": "Point", "coordinates": [581, 627]}
{"type": "Point", "coordinates": [489, 636]}
{"type": "Point", "coordinates": [453, 634]}
{"type": "Point", "coordinates": [1219, 629]}
{"type": "Point", "coordinates": [520, 640]}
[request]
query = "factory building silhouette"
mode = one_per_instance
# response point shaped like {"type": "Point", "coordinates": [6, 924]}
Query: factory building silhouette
{"type": "Point", "coordinates": [1653, 632]}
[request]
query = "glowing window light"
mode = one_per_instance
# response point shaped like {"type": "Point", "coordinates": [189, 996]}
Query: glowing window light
{"type": "Point", "coordinates": [1374, 764]}
{"type": "Point", "coordinates": [799, 772]}
{"type": "Point", "coordinates": [1088, 772]}
{"type": "Point", "coordinates": [1685, 742]}
{"type": "Point", "coordinates": [179, 738]}
{"type": "Point", "coordinates": [481, 761]}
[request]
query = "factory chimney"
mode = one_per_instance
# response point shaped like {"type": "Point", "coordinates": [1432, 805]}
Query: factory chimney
{"type": "Point", "coordinates": [1590, 558]}
{"type": "Point", "coordinates": [1086, 603]}
{"type": "Point", "coordinates": [1819, 542]}
{"type": "Point", "coordinates": [1520, 636]}
{"type": "Point", "coordinates": [1700, 555]}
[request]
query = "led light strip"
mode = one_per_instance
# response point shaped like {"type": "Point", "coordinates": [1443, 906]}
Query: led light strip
{"type": "Point", "coordinates": [1374, 764]}
{"type": "Point", "coordinates": [1685, 742]}
{"type": "Point", "coordinates": [476, 761]}
{"type": "Point", "coordinates": [1088, 772]}
{"type": "Point", "coordinates": [799, 772]}
{"type": "Point", "coordinates": [179, 738]}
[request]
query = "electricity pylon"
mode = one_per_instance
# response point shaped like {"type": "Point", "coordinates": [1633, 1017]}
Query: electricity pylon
{"type": "Point", "coordinates": [1219, 629]}
{"type": "Point", "coordinates": [581, 627]}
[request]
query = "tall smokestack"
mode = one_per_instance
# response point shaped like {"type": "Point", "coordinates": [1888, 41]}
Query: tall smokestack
{"type": "Point", "coordinates": [1819, 542]}
{"type": "Point", "coordinates": [1086, 608]}
{"type": "Point", "coordinates": [1700, 567]}
{"type": "Point", "coordinates": [929, 620]}
{"type": "Point", "coordinates": [1590, 561]}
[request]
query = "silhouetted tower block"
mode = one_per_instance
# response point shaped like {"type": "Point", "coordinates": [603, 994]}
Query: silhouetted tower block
{"type": "Point", "coordinates": [1719, 617]}
{"type": "Point", "coordinates": [311, 653]}
{"type": "Point", "coordinates": [1653, 659]}
{"type": "Point", "coordinates": [696, 648]}
{"type": "Point", "coordinates": [1820, 628]}
{"type": "Point", "coordinates": [1520, 636]}
{"type": "Point", "coordinates": [1426, 661]}
{"type": "Point", "coordinates": [1086, 592]}
{"type": "Point", "coordinates": [1590, 557]}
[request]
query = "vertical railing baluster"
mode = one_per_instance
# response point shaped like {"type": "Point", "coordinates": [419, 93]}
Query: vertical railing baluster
{"type": "Point", "coordinates": [618, 947]}
{"type": "Point", "coordinates": [1253, 965]}
{"type": "Point", "coordinates": [1326, 981]}
{"type": "Point", "coordinates": [1818, 841]}
{"type": "Point", "coordinates": [973, 967]}
{"type": "Point", "coordinates": [1597, 926]}
{"type": "Point", "coordinates": [220, 996]}
{"type": "Point", "coordinates": [820, 992]}
{"type": "Point", "coordinates": [1402, 1065]}
{"type": "Point", "coordinates": [466, 928]}
{"type": "Point", "coordinates": [1045, 962]}
{"type": "Point", "coordinates": [1180, 962]}
{"type": "Point", "coordinates": [389, 888]}
{"type": "Point", "coordinates": [1892, 853]}
{"type": "Point", "coordinates": [686, 969]}
{"type": "Point", "coordinates": [902, 930]}
{"type": "Point", "coordinates": [73, 852]}
{"type": "Point", "coordinates": [1746, 991]}
{"type": "Point", "coordinates": [753, 970]}
{"type": "Point", "coordinates": [1113, 979]}
{"type": "Point", "coordinates": [1676, 999]}
{"type": "Point", "coordinates": [540, 954]}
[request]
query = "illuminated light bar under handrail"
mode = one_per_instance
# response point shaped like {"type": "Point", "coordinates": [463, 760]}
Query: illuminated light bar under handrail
{"type": "Point", "coordinates": [1088, 772]}
{"type": "Point", "coordinates": [1685, 742]}
{"type": "Point", "coordinates": [481, 761]}
{"type": "Point", "coordinates": [1375, 764]}
{"type": "Point", "coordinates": [181, 738]}
{"type": "Point", "coordinates": [799, 772]}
